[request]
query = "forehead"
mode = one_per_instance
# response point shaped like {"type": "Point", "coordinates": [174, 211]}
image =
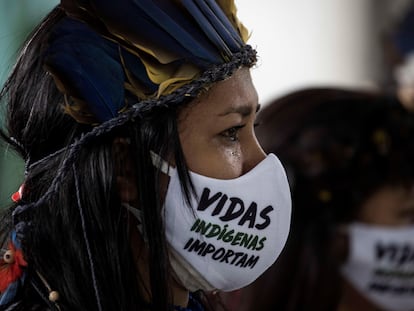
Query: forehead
{"type": "Point", "coordinates": [231, 94]}
{"type": "Point", "coordinates": [389, 206]}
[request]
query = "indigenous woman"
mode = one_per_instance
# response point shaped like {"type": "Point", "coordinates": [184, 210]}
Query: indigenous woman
{"type": "Point", "coordinates": [144, 180]}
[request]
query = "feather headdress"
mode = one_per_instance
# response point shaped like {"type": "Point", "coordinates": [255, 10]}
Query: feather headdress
{"type": "Point", "coordinates": [106, 55]}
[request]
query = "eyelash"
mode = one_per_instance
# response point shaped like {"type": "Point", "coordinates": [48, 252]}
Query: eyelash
{"type": "Point", "coordinates": [232, 133]}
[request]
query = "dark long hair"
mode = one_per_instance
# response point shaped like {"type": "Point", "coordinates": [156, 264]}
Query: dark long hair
{"type": "Point", "coordinates": [338, 146]}
{"type": "Point", "coordinates": [78, 240]}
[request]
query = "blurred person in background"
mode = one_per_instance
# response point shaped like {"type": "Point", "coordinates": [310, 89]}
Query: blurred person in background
{"type": "Point", "coordinates": [349, 158]}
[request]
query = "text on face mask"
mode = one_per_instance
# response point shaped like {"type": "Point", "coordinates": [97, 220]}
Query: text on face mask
{"type": "Point", "coordinates": [234, 208]}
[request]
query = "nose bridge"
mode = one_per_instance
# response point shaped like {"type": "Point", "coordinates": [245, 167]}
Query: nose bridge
{"type": "Point", "coordinates": [252, 155]}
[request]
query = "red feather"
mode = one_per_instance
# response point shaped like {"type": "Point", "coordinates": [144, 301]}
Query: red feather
{"type": "Point", "coordinates": [17, 196]}
{"type": "Point", "coordinates": [10, 271]}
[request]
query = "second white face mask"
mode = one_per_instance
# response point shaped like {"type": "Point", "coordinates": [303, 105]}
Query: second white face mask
{"type": "Point", "coordinates": [235, 229]}
{"type": "Point", "coordinates": [380, 265]}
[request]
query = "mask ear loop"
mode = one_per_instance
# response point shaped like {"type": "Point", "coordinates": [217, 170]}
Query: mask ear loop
{"type": "Point", "coordinates": [85, 236]}
{"type": "Point", "coordinates": [161, 164]}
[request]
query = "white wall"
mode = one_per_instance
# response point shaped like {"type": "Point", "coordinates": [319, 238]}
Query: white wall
{"type": "Point", "coordinates": [312, 42]}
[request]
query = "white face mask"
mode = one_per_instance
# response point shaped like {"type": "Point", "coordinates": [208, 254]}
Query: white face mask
{"type": "Point", "coordinates": [380, 265]}
{"type": "Point", "coordinates": [235, 229]}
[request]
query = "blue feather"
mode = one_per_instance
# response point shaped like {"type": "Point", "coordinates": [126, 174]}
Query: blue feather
{"type": "Point", "coordinates": [169, 24]}
{"type": "Point", "coordinates": [10, 292]}
{"type": "Point", "coordinates": [96, 51]}
{"type": "Point", "coordinates": [200, 33]}
{"type": "Point", "coordinates": [206, 26]}
{"type": "Point", "coordinates": [149, 25]}
{"type": "Point", "coordinates": [221, 24]}
{"type": "Point", "coordinates": [90, 67]}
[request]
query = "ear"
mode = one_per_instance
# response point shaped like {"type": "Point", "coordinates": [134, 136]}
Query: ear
{"type": "Point", "coordinates": [125, 171]}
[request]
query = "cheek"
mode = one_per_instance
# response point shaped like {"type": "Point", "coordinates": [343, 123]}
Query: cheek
{"type": "Point", "coordinates": [206, 154]}
{"type": "Point", "coordinates": [214, 161]}
{"type": "Point", "coordinates": [227, 164]}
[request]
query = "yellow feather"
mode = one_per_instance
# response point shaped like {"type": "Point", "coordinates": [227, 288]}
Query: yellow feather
{"type": "Point", "coordinates": [229, 8]}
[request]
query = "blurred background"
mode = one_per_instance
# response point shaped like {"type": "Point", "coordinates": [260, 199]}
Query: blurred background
{"type": "Point", "coordinates": [301, 43]}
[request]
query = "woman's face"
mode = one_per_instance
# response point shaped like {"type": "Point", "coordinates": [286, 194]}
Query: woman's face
{"type": "Point", "coordinates": [217, 130]}
{"type": "Point", "coordinates": [390, 206]}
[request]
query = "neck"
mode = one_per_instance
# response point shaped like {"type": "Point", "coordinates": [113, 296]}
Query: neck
{"type": "Point", "coordinates": [352, 300]}
{"type": "Point", "coordinates": [180, 295]}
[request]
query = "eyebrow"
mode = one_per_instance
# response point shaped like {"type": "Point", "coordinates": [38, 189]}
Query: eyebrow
{"type": "Point", "coordinates": [243, 110]}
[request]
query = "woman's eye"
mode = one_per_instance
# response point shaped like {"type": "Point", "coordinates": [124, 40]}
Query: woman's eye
{"type": "Point", "coordinates": [232, 133]}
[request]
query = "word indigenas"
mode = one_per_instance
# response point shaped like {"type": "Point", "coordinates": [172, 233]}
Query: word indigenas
{"type": "Point", "coordinates": [210, 230]}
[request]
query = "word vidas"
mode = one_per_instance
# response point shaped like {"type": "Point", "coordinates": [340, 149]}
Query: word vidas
{"type": "Point", "coordinates": [396, 271]}
{"type": "Point", "coordinates": [395, 253]}
{"type": "Point", "coordinates": [235, 209]}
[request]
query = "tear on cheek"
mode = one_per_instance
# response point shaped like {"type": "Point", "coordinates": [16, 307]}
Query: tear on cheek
{"type": "Point", "coordinates": [232, 167]}
{"type": "Point", "coordinates": [235, 154]}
